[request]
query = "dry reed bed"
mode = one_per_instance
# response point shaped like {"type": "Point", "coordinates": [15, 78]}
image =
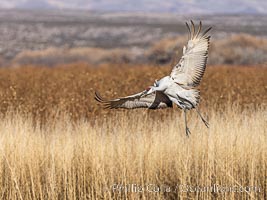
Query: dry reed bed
{"type": "Point", "coordinates": [85, 161]}
{"type": "Point", "coordinates": [46, 92]}
{"type": "Point", "coordinates": [83, 158]}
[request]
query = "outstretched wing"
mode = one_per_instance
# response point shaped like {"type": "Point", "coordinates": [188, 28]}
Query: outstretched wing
{"type": "Point", "coordinates": [152, 101]}
{"type": "Point", "coordinates": [192, 65]}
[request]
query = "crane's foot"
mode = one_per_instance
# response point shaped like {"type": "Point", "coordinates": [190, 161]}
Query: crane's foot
{"type": "Point", "coordinates": [187, 131]}
{"type": "Point", "coordinates": [205, 122]}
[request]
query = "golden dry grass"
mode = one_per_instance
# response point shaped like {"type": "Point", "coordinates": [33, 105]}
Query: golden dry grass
{"type": "Point", "coordinates": [89, 161]}
{"type": "Point", "coordinates": [57, 143]}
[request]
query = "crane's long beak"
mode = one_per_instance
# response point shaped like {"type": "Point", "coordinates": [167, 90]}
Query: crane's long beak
{"type": "Point", "coordinates": [147, 91]}
{"type": "Point", "coordinates": [144, 93]}
{"type": "Point", "coordinates": [150, 91]}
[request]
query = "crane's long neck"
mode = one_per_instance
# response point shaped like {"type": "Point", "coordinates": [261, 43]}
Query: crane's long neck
{"type": "Point", "coordinates": [162, 85]}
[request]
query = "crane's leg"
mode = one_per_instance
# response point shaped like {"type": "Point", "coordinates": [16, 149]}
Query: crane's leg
{"type": "Point", "coordinates": [203, 120]}
{"type": "Point", "coordinates": [187, 131]}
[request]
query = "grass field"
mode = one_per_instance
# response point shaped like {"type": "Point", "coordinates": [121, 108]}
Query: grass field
{"type": "Point", "coordinates": [45, 92]}
{"type": "Point", "coordinates": [56, 142]}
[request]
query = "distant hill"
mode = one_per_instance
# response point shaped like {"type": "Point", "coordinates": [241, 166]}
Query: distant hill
{"type": "Point", "coordinates": [175, 6]}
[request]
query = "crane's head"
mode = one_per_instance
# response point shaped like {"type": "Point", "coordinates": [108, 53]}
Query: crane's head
{"type": "Point", "coordinates": [156, 84]}
{"type": "Point", "coordinates": [150, 90]}
{"type": "Point", "coordinates": [146, 91]}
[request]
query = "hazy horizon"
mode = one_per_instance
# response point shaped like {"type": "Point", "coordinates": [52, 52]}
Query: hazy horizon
{"type": "Point", "coordinates": [170, 6]}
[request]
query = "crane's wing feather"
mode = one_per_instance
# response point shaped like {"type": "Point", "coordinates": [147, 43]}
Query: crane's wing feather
{"type": "Point", "coordinates": [191, 67]}
{"type": "Point", "coordinates": [139, 100]}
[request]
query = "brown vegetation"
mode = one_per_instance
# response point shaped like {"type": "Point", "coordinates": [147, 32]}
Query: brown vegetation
{"type": "Point", "coordinates": [51, 157]}
{"type": "Point", "coordinates": [44, 92]}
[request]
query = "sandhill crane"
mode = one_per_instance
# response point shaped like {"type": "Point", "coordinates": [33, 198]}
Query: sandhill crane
{"type": "Point", "coordinates": [180, 87]}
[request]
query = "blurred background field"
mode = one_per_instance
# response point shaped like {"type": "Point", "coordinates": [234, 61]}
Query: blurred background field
{"type": "Point", "coordinates": [43, 92]}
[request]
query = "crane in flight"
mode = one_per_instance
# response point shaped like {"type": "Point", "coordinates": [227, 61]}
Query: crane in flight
{"type": "Point", "coordinates": [180, 87]}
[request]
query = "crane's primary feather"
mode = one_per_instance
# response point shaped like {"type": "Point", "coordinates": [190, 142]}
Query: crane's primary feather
{"type": "Point", "coordinates": [191, 67]}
